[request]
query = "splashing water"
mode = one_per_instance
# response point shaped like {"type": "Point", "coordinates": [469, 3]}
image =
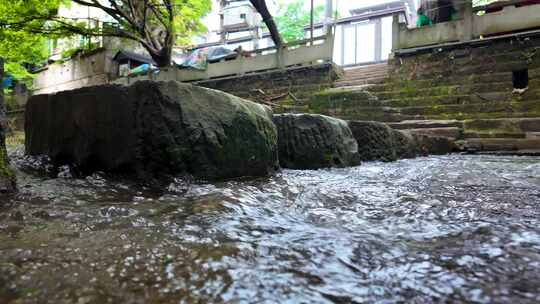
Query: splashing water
{"type": "Point", "coordinates": [438, 229]}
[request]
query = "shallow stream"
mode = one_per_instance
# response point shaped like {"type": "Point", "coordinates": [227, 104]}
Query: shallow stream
{"type": "Point", "coordinates": [438, 229]}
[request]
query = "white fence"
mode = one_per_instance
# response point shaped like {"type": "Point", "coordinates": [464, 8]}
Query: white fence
{"type": "Point", "coordinates": [472, 26]}
{"type": "Point", "coordinates": [292, 54]}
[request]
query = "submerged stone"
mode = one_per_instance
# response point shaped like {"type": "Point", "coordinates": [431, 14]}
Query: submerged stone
{"type": "Point", "coordinates": [378, 142]}
{"type": "Point", "coordinates": [310, 141]}
{"type": "Point", "coordinates": [154, 128]}
{"type": "Point", "coordinates": [410, 144]}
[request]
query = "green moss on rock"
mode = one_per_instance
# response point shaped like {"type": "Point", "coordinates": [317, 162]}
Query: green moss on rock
{"type": "Point", "coordinates": [7, 177]}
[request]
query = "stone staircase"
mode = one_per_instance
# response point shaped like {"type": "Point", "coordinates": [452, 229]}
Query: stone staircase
{"type": "Point", "coordinates": [476, 106]}
{"type": "Point", "coordinates": [363, 75]}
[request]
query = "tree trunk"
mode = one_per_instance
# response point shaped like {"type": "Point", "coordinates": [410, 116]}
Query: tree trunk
{"type": "Point", "coordinates": [163, 58]}
{"type": "Point", "coordinates": [7, 178]}
{"type": "Point", "coordinates": [438, 10]}
{"type": "Point", "coordinates": [260, 6]}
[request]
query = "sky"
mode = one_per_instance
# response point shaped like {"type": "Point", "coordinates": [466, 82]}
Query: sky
{"type": "Point", "coordinates": [212, 20]}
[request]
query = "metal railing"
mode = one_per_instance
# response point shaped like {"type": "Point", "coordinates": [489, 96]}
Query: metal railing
{"type": "Point", "coordinates": [301, 52]}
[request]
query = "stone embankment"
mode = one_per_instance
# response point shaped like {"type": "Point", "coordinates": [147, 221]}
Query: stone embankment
{"type": "Point", "coordinates": [486, 95]}
{"type": "Point", "coordinates": [310, 141]}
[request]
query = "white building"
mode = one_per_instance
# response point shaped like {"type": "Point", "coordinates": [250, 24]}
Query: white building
{"type": "Point", "coordinates": [92, 16]}
{"type": "Point", "coordinates": [363, 36]}
{"type": "Point", "coordinates": [366, 35]}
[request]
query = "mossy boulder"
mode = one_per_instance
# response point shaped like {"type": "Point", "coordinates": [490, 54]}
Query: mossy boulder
{"type": "Point", "coordinates": [154, 129]}
{"type": "Point", "coordinates": [311, 141]}
{"type": "Point", "coordinates": [378, 142]}
{"type": "Point", "coordinates": [410, 144]}
{"type": "Point", "coordinates": [375, 140]}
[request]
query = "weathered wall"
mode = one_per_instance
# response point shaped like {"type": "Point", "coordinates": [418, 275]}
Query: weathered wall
{"type": "Point", "coordinates": [469, 81]}
{"type": "Point", "coordinates": [90, 69]}
{"type": "Point", "coordinates": [85, 70]}
{"type": "Point", "coordinates": [284, 90]}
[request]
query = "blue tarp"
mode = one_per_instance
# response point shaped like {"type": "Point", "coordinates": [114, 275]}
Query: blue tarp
{"type": "Point", "coordinates": [7, 82]}
{"type": "Point", "coordinates": [142, 69]}
{"type": "Point", "coordinates": [199, 58]}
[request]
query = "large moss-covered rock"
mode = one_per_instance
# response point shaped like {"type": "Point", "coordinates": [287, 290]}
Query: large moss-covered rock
{"type": "Point", "coordinates": [410, 144]}
{"type": "Point", "coordinates": [435, 145]}
{"type": "Point", "coordinates": [405, 145]}
{"type": "Point", "coordinates": [376, 141]}
{"type": "Point", "coordinates": [154, 128]}
{"type": "Point", "coordinates": [310, 141]}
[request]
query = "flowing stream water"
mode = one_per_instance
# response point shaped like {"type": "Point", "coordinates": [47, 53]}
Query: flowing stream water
{"type": "Point", "coordinates": [428, 230]}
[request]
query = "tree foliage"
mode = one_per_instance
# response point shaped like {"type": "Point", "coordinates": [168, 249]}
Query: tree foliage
{"type": "Point", "coordinates": [17, 47]}
{"type": "Point", "coordinates": [262, 9]}
{"type": "Point", "coordinates": [156, 24]}
{"type": "Point", "coordinates": [292, 18]}
{"type": "Point", "coordinates": [482, 2]}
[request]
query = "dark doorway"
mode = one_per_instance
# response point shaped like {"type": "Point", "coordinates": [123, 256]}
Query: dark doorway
{"type": "Point", "coordinates": [520, 79]}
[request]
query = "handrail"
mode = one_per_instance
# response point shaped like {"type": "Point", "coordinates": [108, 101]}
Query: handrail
{"type": "Point", "coordinates": [496, 5]}
{"type": "Point", "coordinates": [288, 45]}
{"type": "Point", "coordinates": [287, 56]}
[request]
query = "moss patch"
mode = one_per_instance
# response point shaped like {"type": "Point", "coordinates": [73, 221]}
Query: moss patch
{"type": "Point", "coordinates": [5, 170]}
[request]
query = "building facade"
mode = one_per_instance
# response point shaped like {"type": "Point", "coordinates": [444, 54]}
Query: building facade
{"type": "Point", "coordinates": [362, 37]}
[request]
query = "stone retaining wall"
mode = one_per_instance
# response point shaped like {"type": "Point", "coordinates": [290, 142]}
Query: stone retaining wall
{"type": "Point", "coordinates": [285, 90]}
{"type": "Point", "coordinates": [466, 81]}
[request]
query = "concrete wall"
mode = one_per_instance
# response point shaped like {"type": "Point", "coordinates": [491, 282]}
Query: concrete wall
{"type": "Point", "coordinates": [94, 68]}
{"type": "Point", "coordinates": [78, 72]}
{"type": "Point", "coordinates": [472, 26]}
{"type": "Point", "coordinates": [285, 90]}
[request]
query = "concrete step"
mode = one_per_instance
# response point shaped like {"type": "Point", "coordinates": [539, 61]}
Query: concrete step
{"type": "Point", "coordinates": [492, 134]}
{"type": "Point", "coordinates": [487, 78]}
{"type": "Point", "coordinates": [371, 67]}
{"type": "Point", "coordinates": [365, 71]}
{"type": "Point", "coordinates": [349, 83]}
{"type": "Point", "coordinates": [532, 135]}
{"type": "Point", "coordinates": [500, 144]}
{"type": "Point", "coordinates": [528, 152]}
{"type": "Point", "coordinates": [466, 89]}
{"type": "Point", "coordinates": [517, 124]}
{"type": "Point", "coordinates": [474, 108]}
{"type": "Point", "coordinates": [443, 100]}
{"type": "Point", "coordinates": [428, 72]}
{"type": "Point", "coordinates": [426, 124]}
{"type": "Point", "coordinates": [469, 116]}
{"type": "Point", "coordinates": [363, 77]}
{"type": "Point", "coordinates": [449, 132]}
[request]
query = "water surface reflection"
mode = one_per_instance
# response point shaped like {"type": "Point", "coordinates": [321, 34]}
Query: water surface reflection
{"type": "Point", "coordinates": [438, 229]}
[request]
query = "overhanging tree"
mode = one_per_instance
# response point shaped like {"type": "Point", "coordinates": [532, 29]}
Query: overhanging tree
{"type": "Point", "coordinates": [291, 19]}
{"type": "Point", "coordinates": [260, 6]}
{"type": "Point", "coordinates": [156, 24]}
{"type": "Point", "coordinates": [17, 47]}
